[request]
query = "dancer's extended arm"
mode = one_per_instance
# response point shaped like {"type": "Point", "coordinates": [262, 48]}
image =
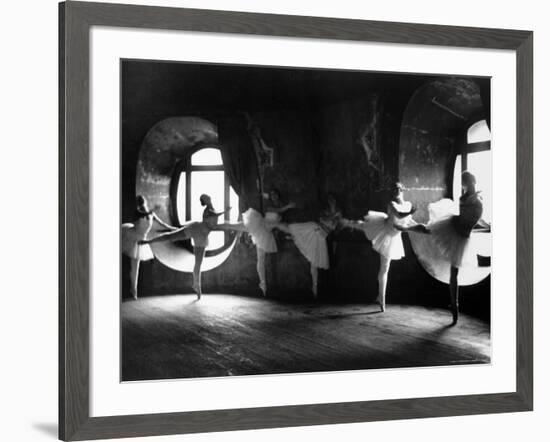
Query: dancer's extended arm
{"type": "Point", "coordinates": [281, 209]}
{"type": "Point", "coordinates": [211, 213]}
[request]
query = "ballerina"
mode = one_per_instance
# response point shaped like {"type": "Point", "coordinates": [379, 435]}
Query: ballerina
{"type": "Point", "coordinates": [261, 228]}
{"type": "Point", "coordinates": [384, 231]}
{"type": "Point", "coordinates": [133, 233]}
{"type": "Point", "coordinates": [275, 210]}
{"type": "Point", "coordinates": [451, 232]}
{"type": "Point", "coordinates": [198, 231]}
{"type": "Point", "coordinates": [311, 240]}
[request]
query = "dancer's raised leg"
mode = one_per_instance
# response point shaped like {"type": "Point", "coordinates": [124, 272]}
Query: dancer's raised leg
{"type": "Point", "coordinates": [418, 228]}
{"type": "Point", "coordinates": [228, 227]}
{"type": "Point", "coordinates": [283, 227]}
{"type": "Point", "coordinates": [174, 235]}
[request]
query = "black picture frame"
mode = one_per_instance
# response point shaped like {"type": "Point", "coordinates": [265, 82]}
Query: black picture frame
{"type": "Point", "coordinates": [75, 20]}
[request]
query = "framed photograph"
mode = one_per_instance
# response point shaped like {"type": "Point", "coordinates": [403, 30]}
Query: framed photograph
{"type": "Point", "coordinates": [272, 221]}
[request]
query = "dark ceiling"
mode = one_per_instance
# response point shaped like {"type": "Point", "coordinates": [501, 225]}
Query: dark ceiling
{"type": "Point", "coordinates": [223, 88]}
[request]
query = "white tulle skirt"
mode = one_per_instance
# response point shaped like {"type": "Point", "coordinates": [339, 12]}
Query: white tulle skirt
{"type": "Point", "coordinates": [259, 230]}
{"type": "Point", "coordinates": [385, 238]}
{"type": "Point", "coordinates": [311, 240]}
{"type": "Point", "coordinates": [452, 247]}
{"type": "Point", "coordinates": [198, 232]}
{"type": "Point", "coordinates": [130, 247]}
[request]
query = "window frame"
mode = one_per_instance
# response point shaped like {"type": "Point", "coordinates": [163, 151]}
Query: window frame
{"type": "Point", "coordinates": [185, 165]}
{"type": "Point", "coordinates": [465, 149]}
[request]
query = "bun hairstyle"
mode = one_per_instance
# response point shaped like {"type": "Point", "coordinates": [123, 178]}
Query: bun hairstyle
{"type": "Point", "coordinates": [468, 177]}
{"type": "Point", "coordinates": [203, 199]}
{"type": "Point", "coordinates": [276, 192]}
{"type": "Point", "coordinates": [396, 187]}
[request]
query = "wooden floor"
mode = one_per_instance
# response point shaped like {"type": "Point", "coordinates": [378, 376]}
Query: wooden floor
{"type": "Point", "coordinates": [170, 337]}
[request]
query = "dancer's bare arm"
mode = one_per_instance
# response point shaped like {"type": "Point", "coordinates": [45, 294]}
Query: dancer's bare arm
{"type": "Point", "coordinates": [281, 209]}
{"type": "Point", "coordinates": [208, 213]}
{"type": "Point", "coordinates": [221, 213]}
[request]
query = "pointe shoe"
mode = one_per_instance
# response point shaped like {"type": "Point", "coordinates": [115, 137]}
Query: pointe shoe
{"type": "Point", "coordinates": [381, 303]}
{"type": "Point", "coordinates": [198, 291]}
{"type": "Point", "coordinates": [454, 311]}
{"type": "Point", "coordinates": [134, 295]}
{"type": "Point", "coordinates": [263, 288]}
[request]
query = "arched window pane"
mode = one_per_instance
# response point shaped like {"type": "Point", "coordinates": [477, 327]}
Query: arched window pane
{"type": "Point", "coordinates": [457, 178]}
{"type": "Point", "coordinates": [211, 183]}
{"type": "Point", "coordinates": [216, 240]}
{"type": "Point", "coordinates": [479, 163]}
{"type": "Point", "coordinates": [181, 195]}
{"type": "Point", "coordinates": [479, 132]}
{"type": "Point", "coordinates": [207, 157]}
{"type": "Point", "coordinates": [234, 203]}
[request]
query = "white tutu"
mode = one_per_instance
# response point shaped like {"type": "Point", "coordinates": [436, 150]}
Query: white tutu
{"type": "Point", "coordinates": [449, 244]}
{"type": "Point", "coordinates": [385, 238]}
{"type": "Point", "coordinates": [259, 230]}
{"type": "Point", "coordinates": [198, 231]}
{"type": "Point", "coordinates": [310, 238]}
{"type": "Point", "coordinates": [130, 235]}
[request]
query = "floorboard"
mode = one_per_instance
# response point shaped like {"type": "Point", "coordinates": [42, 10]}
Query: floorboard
{"type": "Point", "coordinates": [168, 337]}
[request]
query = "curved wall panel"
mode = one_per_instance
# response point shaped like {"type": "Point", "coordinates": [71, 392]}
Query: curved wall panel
{"type": "Point", "coordinates": [437, 115]}
{"type": "Point", "coordinates": [166, 143]}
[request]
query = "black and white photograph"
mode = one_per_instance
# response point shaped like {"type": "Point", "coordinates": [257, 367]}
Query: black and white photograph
{"type": "Point", "coordinates": [279, 220]}
{"type": "Point", "coordinates": [263, 220]}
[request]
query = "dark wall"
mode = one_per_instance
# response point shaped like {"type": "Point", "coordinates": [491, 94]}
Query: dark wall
{"type": "Point", "coordinates": [332, 132]}
{"type": "Point", "coordinates": [296, 175]}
